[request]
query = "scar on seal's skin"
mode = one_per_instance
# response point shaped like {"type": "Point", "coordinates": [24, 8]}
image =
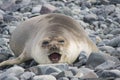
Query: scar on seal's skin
{"type": "Point", "coordinates": [49, 38]}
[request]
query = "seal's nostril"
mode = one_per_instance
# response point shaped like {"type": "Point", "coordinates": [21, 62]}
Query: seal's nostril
{"type": "Point", "coordinates": [53, 48]}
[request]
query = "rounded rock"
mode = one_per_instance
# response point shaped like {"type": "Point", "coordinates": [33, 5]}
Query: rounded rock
{"type": "Point", "coordinates": [27, 75]}
{"type": "Point", "coordinates": [44, 77]}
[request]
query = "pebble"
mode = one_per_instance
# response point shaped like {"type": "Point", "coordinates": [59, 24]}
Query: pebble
{"type": "Point", "coordinates": [47, 8]}
{"type": "Point", "coordinates": [107, 49]}
{"type": "Point", "coordinates": [63, 78]}
{"type": "Point", "coordinates": [115, 42]}
{"type": "Point", "coordinates": [1, 17]}
{"type": "Point", "coordinates": [50, 70]}
{"type": "Point", "coordinates": [106, 65]}
{"type": "Point", "coordinates": [44, 77]}
{"type": "Point", "coordinates": [44, 68]}
{"type": "Point", "coordinates": [74, 70]}
{"type": "Point", "coordinates": [99, 58]}
{"type": "Point", "coordinates": [90, 17]}
{"type": "Point", "coordinates": [90, 75]}
{"type": "Point", "coordinates": [82, 59]}
{"type": "Point", "coordinates": [115, 31]}
{"type": "Point", "coordinates": [74, 78]}
{"type": "Point", "coordinates": [17, 70]}
{"type": "Point", "coordinates": [110, 73]}
{"type": "Point", "coordinates": [27, 75]}
{"type": "Point", "coordinates": [10, 78]}
{"type": "Point", "coordinates": [64, 74]}
{"type": "Point", "coordinates": [12, 72]}
{"type": "Point", "coordinates": [86, 73]}
{"type": "Point", "coordinates": [36, 9]}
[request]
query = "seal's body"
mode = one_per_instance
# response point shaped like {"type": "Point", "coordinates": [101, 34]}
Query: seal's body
{"type": "Point", "coordinates": [49, 38]}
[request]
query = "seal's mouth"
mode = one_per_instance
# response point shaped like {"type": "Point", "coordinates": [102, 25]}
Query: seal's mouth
{"type": "Point", "coordinates": [55, 57]}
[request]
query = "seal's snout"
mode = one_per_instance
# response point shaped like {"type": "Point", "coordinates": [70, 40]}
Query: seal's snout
{"type": "Point", "coordinates": [55, 55]}
{"type": "Point", "coordinates": [54, 48]}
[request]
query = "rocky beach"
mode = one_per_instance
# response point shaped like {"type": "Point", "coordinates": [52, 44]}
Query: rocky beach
{"type": "Point", "coordinates": [99, 18]}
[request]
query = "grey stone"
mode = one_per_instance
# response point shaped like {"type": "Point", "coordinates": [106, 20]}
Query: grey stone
{"type": "Point", "coordinates": [117, 79]}
{"type": "Point", "coordinates": [106, 41]}
{"type": "Point", "coordinates": [11, 29]}
{"type": "Point", "coordinates": [106, 65]}
{"type": "Point", "coordinates": [107, 49]}
{"type": "Point", "coordinates": [114, 2]}
{"type": "Point", "coordinates": [86, 73]}
{"type": "Point", "coordinates": [109, 36]}
{"type": "Point", "coordinates": [103, 26]}
{"type": "Point", "coordinates": [90, 75]}
{"type": "Point", "coordinates": [52, 69]}
{"type": "Point", "coordinates": [74, 78]}
{"type": "Point", "coordinates": [2, 12]}
{"type": "Point", "coordinates": [68, 74]}
{"type": "Point", "coordinates": [36, 9]}
{"type": "Point", "coordinates": [115, 42]}
{"type": "Point", "coordinates": [27, 75]}
{"type": "Point", "coordinates": [47, 8]}
{"type": "Point", "coordinates": [41, 69]}
{"type": "Point", "coordinates": [82, 59]}
{"type": "Point", "coordinates": [118, 49]}
{"type": "Point", "coordinates": [109, 9]}
{"type": "Point", "coordinates": [64, 74]}
{"type": "Point", "coordinates": [96, 59]}
{"type": "Point", "coordinates": [59, 75]}
{"type": "Point", "coordinates": [63, 78]}
{"type": "Point", "coordinates": [13, 71]}
{"type": "Point", "coordinates": [54, 74]}
{"type": "Point", "coordinates": [44, 77]}
{"type": "Point", "coordinates": [3, 41]}
{"type": "Point", "coordinates": [115, 31]}
{"type": "Point", "coordinates": [9, 5]}
{"type": "Point", "coordinates": [17, 70]}
{"type": "Point", "coordinates": [106, 31]}
{"type": "Point", "coordinates": [58, 3]}
{"type": "Point", "coordinates": [23, 3]}
{"type": "Point", "coordinates": [3, 56]}
{"type": "Point", "coordinates": [74, 70]}
{"type": "Point", "coordinates": [1, 17]}
{"type": "Point", "coordinates": [99, 44]}
{"type": "Point", "coordinates": [10, 78]}
{"type": "Point", "coordinates": [110, 73]}
{"type": "Point", "coordinates": [65, 11]}
{"type": "Point", "coordinates": [90, 17]}
{"type": "Point", "coordinates": [9, 18]}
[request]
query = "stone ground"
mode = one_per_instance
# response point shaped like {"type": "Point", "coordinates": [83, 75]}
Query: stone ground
{"type": "Point", "coordinates": [99, 18]}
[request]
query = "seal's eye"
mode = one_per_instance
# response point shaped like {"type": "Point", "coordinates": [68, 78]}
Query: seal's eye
{"type": "Point", "coordinates": [61, 41]}
{"type": "Point", "coordinates": [45, 43]}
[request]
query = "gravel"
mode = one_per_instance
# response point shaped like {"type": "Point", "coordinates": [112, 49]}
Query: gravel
{"type": "Point", "coordinates": [99, 18]}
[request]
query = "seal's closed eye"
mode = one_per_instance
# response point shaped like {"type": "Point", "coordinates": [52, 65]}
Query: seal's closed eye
{"type": "Point", "coordinates": [61, 41]}
{"type": "Point", "coordinates": [45, 42]}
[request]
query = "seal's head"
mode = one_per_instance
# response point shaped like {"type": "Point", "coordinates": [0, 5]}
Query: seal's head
{"type": "Point", "coordinates": [56, 45]}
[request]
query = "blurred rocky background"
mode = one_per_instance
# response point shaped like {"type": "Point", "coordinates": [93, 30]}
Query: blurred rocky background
{"type": "Point", "coordinates": [99, 18]}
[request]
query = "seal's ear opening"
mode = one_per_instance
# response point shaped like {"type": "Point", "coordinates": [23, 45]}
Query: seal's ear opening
{"type": "Point", "coordinates": [54, 57]}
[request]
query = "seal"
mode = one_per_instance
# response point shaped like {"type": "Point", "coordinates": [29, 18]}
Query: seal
{"type": "Point", "coordinates": [49, 38]}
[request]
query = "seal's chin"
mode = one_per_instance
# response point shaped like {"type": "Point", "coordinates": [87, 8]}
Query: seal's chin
{"type": "Point", "coordinates": [55, 57]}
